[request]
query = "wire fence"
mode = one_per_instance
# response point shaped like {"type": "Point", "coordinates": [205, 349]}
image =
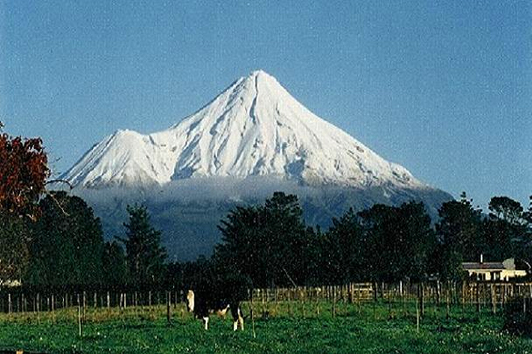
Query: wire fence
{"type": "Point", "coordinates": [493, 295]}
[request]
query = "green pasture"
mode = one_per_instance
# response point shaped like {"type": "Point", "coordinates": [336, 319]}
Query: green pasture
{"type": "Point", "coordinates": [284, 327]}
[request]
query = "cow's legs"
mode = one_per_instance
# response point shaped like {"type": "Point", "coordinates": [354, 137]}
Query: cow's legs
{"type": "Point", "coordinates": [206, 322]}
{"type": "Point", "coordinates": [240, 319]}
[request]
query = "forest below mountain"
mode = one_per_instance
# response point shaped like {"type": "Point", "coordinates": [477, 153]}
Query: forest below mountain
{"type": "Point", "coordinates": [53, 239]}
{"type": "Point", "coordinates": [263, 245]}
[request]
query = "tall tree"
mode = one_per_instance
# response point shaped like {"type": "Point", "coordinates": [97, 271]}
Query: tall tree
{"type": "Point", "coordinates": [267, 243]}
{"type": "Point", "coordinates": [459, 236]}
{"type": "Point", "coordinates": [285, 235]}
{"type": "Point", "coordinates": [114, 265]}
{"type": "Point", "coordinates": [14, 253]}
{"type": "Point", "coordinates": [505, 229]}
{"type": "Point", "coordinates": [402, 238]}
{"type": "Point", "coordinates": [241, 248]}
{"type": "Point", "coordinates": [144, 254]}
{"type": "Point", "coordinates": [67, 243]}
{"type": "Point", "coordinates": [317, 257]}
{"type": "Point", "coordinates": [344, 249]}
{"type": "Point", "coordinates": [23, 173]}
{"type": "Point", "coordinates": [507, 209]}
{"type": "Point", "coordinates": [416, 239]}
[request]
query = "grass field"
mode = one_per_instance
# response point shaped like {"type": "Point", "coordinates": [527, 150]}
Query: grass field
{"type": "Point", "coordinates": [288, 328]}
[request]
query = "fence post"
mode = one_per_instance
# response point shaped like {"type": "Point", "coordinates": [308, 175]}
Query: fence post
{"type": "Point", "coordinates": [463, 294]}
{"type": "Point", "coordinates": [503, 295]}
{"type": "Point", "coordinates": [493, 299]}
{"type": "Point", "coordinates": [303, 301]}
{"type": "Point", "coordinates": [421, 299]}
{"type": "Point", "coordinates": [79, 317]}
{"type": "Point", "coordinates": [438, 292]}
{"type": "Point", "coordinates": [84, 303]}
{"type": "Point", "coordinates": [478, 296]}
{"type": "Point", "coordinates": [289, 298]}
{"type": "Point", "coordinates": [263, 301]}
{"type": "Point", "coordinates": [251, 314]}
{"type": "Point", "coordinates": [417, 318]}
{"type": "Point", "coordinates": [168, 304]}
{"type": "Point", "coordinates": [334, 302]}
{"type": "Point", "coordinates": [448, 294]}
{"type": "Point", "coordinates": [79, 313]}
{"type": "Point", "coordinates": [318, 301]}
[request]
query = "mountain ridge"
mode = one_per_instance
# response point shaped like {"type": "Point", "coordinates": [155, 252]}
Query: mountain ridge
{"type": "Point", "coordinates": [254, 127]}
{"type": "Point", "coordinates": [251, 140]}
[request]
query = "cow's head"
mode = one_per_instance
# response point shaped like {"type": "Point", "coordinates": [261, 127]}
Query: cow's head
{"type": "Point", "coordinates": [190, 301]}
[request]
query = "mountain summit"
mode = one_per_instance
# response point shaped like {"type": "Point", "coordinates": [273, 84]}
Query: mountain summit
{"type": "Point", "coordinates": [251, 140]}
{"type": "Point", "coordinates": [253, 128]}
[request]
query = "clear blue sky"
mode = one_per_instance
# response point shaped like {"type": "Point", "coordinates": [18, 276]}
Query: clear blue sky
{"type": "Point", "coordinates": [442, 87]}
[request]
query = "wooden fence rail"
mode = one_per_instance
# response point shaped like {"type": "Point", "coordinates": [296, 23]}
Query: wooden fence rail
{"type": "Point", "coordinates": [470, 293]}
{"type": "Point", "coordinates": [479, 294]}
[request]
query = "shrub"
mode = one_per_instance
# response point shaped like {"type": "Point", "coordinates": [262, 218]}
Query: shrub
{"type": "Point", "coordinates": [518, 316]}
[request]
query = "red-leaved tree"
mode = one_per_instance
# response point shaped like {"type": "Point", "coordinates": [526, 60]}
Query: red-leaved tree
{"type": "Point", "coordinates": [23, 173]}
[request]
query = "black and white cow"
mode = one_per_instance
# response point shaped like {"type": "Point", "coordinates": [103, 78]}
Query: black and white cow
{"type": "Point", "coordinates": [204, 303]}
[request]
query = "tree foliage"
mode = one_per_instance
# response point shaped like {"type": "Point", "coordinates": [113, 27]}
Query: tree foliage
{"type": "Point", "coordinates": [67, 243]}
{"type": "Point", "coordinates": [506, 230]}
{"type": "Point", "coordinates": [267, 243]}
{"type": "Point", "coordinates": [342, 249]}
{"type": "Point", "coordinates": [23, 173]}
{"type": "Point", "coordinates": [507, 209]}
{"type": "Point", "coordinates": [144, 254]}
{"type": "Point", "coordinates": [114, 265]}
{"type": "Point", "coordinates": [460, 236]}
{"type": "Point", "coordinates": [402, 238]}
{"type": "Point", "coordinates": [14, 253]}
{"type": "Point", "coordinates": [272, 246]}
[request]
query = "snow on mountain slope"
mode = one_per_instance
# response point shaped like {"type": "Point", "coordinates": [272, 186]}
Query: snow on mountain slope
{"type": "Point", "coordinates": [253, 128]}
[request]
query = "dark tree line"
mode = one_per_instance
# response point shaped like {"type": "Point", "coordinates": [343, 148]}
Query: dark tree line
{"type": "Point", "coordinates": [66, 248]}
{"type": "Point", "coordinates": [271, 245]}
{"type": "Point", "coordinates": [266, 245]}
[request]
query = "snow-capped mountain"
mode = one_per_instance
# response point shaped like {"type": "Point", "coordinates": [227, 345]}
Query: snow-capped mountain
{"type": "Point", "coordinates": [253, 128]}
{"type": "Point", "coordinates": [250, 141]}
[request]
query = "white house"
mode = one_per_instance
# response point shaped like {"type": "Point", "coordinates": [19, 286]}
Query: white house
{"type": "Point", "coordinates": [503, 271]}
